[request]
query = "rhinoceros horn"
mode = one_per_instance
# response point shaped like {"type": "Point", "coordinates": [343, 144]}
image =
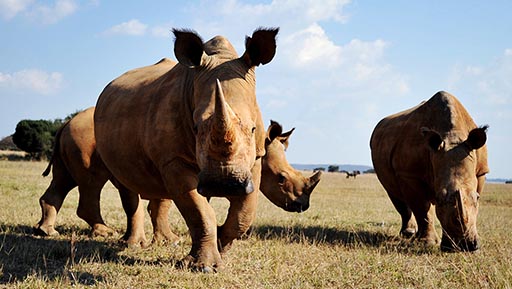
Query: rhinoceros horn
{"type": "Point", "coordinates": [313, 181]}
{"type": "Point", "coordinates": [222, 115]}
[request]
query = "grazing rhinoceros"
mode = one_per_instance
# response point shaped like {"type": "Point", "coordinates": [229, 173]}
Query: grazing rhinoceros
{"type": "Point", "coordinates": [189, 131]}
{"type": "Point", "coordinates": [433, 154]}
{"type": "Point", "coordinates": [76, 163]}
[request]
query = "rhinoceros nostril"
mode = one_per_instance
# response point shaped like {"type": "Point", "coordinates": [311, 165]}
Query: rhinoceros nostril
{"type": "Point", "coordinates": [249, 186]}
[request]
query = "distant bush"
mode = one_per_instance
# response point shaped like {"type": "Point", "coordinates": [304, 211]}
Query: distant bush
{"type": "Point", "coordinates": [333, 169]}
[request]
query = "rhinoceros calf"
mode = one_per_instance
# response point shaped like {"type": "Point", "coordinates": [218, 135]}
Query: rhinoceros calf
{"type": "Point", "coordinates": [433, 154]}
{"type": "Point", "coordinates": [75, 162]}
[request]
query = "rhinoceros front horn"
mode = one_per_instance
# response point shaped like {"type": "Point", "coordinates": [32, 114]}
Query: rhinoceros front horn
{"type": "Point", "coordinates": [223, 112]}
{"type": "Point", "coordinates": [313, 181]}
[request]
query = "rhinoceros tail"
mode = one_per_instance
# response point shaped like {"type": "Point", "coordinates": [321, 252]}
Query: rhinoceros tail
{"type": "Point", "coordinates": [48, 168]}
{"type": "Point", "coordinates": [56, 148]}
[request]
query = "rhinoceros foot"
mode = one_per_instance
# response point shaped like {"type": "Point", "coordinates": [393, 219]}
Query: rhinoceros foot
{"type": "Point", "coordinates": [202, 265]}
{"type": "Point", "coordinates": [165, 237]}
{"type": "Point", "coordinates": [45, 231]}
{"type": "Point", "coordinates": [408, 232]}
{"type": "Point", "coordinates": [135, 241]}
{"type": "Point", "coordinates": [101, 230]}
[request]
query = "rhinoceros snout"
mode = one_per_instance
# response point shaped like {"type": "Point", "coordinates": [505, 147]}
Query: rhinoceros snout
{"type": "Point", "coordinates": [220, 187]}
{"type": "Point", "coordinates": [448, 245]}
{"type": "Point", "coordinates": [296, 207]}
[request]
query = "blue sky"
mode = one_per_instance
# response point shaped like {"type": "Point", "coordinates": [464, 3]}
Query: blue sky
{"type": "Point", "coordinates": [340, 67]}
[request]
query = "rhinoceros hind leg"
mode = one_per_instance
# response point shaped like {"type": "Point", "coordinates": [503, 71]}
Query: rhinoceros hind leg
{"type": "Point", "coordinates": [51, 202]}
{"type": "Point", "coordinates": [134, 236]}
{"type": "Point", "coordinates": [159, 211]}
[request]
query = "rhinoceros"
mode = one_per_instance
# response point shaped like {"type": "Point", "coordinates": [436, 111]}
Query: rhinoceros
{"type": "Point", "coordinates": [75, 162]}
{"type": "Point", "coordinates": [433, 154]}
{"type": "Point", "coordinates": [189, 131]}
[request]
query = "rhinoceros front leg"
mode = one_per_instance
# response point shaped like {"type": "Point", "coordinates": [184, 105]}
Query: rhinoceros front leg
{"type": "Point", "coordinates": [159, 211]}
{"type": "Point", "coordinates": [242, 211]}
{"type": "Point", "coordinates": [408, 228]}
{"type": "Point", "coordinates": [241, 214]}
{"type": "Point", "coordinates": [202, 224]}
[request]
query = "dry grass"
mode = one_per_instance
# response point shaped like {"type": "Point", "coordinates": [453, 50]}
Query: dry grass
{"type": "Point", "coordinates": [347, 239]}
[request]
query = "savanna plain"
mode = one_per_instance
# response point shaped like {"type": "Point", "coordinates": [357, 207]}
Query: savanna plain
{"type": "Point", "coordinates": [347, 239]}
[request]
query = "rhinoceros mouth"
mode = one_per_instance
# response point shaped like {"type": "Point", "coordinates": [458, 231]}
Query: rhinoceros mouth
{"type": "Point", "coordinates": [296, 207]}
{"type": "Point", "coordinates": [222, 187]}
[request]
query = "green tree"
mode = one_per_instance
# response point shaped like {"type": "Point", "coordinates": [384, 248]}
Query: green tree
{"type": "Point", "coordinates": [35, 137]}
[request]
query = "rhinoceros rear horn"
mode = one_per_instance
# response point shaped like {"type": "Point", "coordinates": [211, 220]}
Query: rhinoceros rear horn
{"type": "Point", "coordinates": [188, 47]}
{"type": "Point", "coordinates": [261, 47]}
{"type": "Point", "coordinates": [313, 181]}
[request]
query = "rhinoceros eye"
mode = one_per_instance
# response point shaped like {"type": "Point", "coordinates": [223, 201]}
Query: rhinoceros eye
{"type": "Point", "coordinates": [253, 129]}
{"type": "Point", "coordinates": [195, 129]}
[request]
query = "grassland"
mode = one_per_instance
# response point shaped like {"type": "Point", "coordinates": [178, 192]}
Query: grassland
{"type": "Point", "coordinates": [347, 239]}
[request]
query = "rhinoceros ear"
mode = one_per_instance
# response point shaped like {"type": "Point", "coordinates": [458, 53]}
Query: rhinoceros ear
{"type": "Point", "coordinates": [274, 130]}
{"type": "Point", "coordinates": [261, 47]}
{"type": "Point", "coordinates": [433, 138]}
{"type": "Point", "coordinates": [477, 137]}
{"type": "Point", "coordinates": [188, 47]}
{"type": "Point", "coordinates": [285, 137]}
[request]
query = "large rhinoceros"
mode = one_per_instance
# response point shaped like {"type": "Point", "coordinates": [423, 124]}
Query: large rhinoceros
{"type": "Point", "coordinates": [433, 154]}
{"type": "Point", "coordinates": [75, 163]}
{"type": "Point", "coordinates": [190, 130]}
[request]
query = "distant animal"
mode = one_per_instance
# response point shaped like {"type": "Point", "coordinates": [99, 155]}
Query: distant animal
{"type": "Point", "coordinates": [433, 155]}
{"type": "Point", "coordinates": [75, 162]}
{"type": "Point", "coordinates": [352, 174]}
{"type": "Point", "coordinates": [187, 130]}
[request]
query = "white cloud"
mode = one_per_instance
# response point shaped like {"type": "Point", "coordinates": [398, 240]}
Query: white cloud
{"type": "Point", "coordinates": [10, 8]}
{"type": "Point", "coordinates": [47, 14]}
{"type": "Point", "coordinates": [356, 65]}
{"type": "Point", "coordinates": [311, 46]}
{"type": "Point", "coordinates": [491, 82]}
{"type": "Point", "coordinates": [54, 13]}
{"type": "Point", "coordinates": [133, 27]}
{"type": "Point", "coordinates": [32, 79]}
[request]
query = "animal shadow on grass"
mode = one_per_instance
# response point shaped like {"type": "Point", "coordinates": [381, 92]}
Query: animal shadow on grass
{"type": "Point", "coordinates": [321, 235]}
{"type": "Point", "coordinates": [22, 254]}
{"type": "Point", "coordinates": [334, 236]}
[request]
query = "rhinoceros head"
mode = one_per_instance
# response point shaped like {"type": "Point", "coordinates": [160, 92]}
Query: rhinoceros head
{"type": "Point", "coordinates": [284, 186]}
{"type": "Point", "coordinates": [229, 133]}
{"type": "Point", "coordinates": [457, 191]}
